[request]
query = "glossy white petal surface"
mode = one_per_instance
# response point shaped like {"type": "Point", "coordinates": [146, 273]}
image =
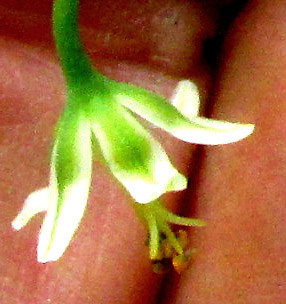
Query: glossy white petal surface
{"type": "Point", "coordinates": [68, 192]}
{"type": "Point", "coordinates": [196, 130]}
{"type": "Point", "coordinates": [186, 98]}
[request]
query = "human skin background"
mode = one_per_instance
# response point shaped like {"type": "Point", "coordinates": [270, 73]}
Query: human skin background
{"type": "Point", "coordinates": [240, 186]}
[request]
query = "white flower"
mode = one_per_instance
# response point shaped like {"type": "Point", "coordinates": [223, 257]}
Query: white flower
{"type": "Point", "coordinates": [134, 157]}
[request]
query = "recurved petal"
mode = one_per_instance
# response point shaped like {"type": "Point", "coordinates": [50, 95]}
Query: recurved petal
{"type": "Point", "coordinates": [186, 98]}
{"type": "Point", "coordinates": [135, 158]}
{"type": "Point", "coordinates": [148, 105]}
{"type": "Point", "coordinates": [69, 187]}
{"type": "Point", "coordinates": [207, 131]}
{"type": "Point", "coordinates": [193, 130]}
{"type": "Point", "coordinates": [36, 202]}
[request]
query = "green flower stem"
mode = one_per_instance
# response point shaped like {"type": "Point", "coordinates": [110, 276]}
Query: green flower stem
{"type": "Point", "coordinates": [74, 61]}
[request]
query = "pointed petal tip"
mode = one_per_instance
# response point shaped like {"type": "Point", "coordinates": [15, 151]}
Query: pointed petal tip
{"type": "Point", "coordinates": [240, 132]}
{"type": "Point", "coordinates": [46, 254]}
{"type": "Point", "coordinates": [207, 131]}
{"type": "Point", "coordinates": [200, 223]}
{"type": "Point", "coordinates": [251, 128]}
{"type": "Point", "coordinates": [177, 183]}
{"type": "Point", "coordinates": [35, 203]}
{"type": "Point", "coordinates": [186, 98]}
{"type": "Point", "coordinates": [42, 260]}
{"type": "Point", "coordinates": [18, 223]}
{"type": "Point", "coordinates": [45, 258]}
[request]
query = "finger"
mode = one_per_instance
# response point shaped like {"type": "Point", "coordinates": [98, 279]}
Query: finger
{"type": "Point", "coordinates": [242, 186]}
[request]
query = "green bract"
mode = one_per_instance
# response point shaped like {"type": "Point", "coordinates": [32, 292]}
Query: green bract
{"type": "Point", "coordinates": [101, 109]}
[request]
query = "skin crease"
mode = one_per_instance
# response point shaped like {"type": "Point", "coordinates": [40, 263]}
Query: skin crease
{"type": "Point", "coordinates": [240, 252]}
{"type": "Point", "coordinates": [241, 187]}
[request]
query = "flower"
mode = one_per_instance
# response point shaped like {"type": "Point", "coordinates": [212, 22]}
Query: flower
{"type": "Point", "coordinates": [134, 157]}
{"type": "Point", "coordinates": [100, 109]}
